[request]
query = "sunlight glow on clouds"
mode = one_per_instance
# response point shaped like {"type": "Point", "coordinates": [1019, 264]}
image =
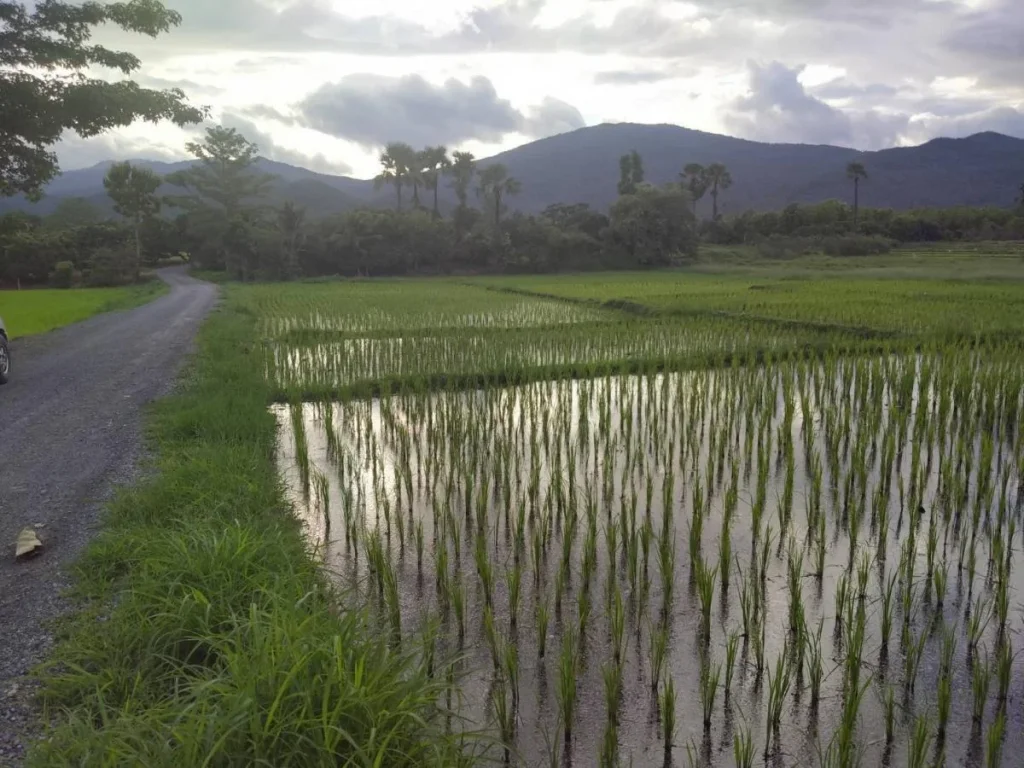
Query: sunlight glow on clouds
{"type": "Point", "coordinates": [869, 74]}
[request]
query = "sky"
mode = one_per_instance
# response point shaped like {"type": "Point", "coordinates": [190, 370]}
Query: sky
{"type": "Point", "coordinates": [326, 83]}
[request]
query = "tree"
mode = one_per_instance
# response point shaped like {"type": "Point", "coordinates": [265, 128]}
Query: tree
{"type": "Point", "coordinates": [856, 172]}
{"type": "Point", "coordinates": [45, 90]}
{"type": "Point", "coordinates": [462, 169]}
{"type": "Point", "coordinates": [133, 190]}
{"type": "Point", "coordinates": [435, 162]}
{"type": "Point", "coordinates": [396, 160]}
{"type": "Point", "coordinates": [654, 225]}
{"type": "Point", "coordinates": [719, 179]}
{"type": "Point", "coordinates": [631, 172]}
{"type": "Point", "coordinates": [694, 179]}
{"type": "Point", "coordinates": [495, 184]}
{"type": "Point", "coordinates": [226, 189]}
{"type": "Point", "coordinates": [290, 221]}
{"type": "Point", "coordinates": [74, 212]}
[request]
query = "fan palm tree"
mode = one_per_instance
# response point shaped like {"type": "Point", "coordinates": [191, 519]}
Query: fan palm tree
{"type": "Point", "coordinates": [435, 161]}
{"type": "Point", "coordinates": [718, 179]}
{"type": "Point", "coordinates": [462, 169]}
{"type": "Point", "coordinates": [694, 179]}
{"type": "Point", "coordinates": [856, 172]}
{"type": "Point", "coordinates": [495, 184]}
{"type": "Point", "coordinates": [396, 161]}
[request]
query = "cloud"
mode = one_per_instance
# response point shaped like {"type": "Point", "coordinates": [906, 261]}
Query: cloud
{"type": "Point", "coordinates": [778, 108]}
{"type": "Point", "coordinates": [371, 110]}
{"type": "Point", "coordinates": [1006, 120]}
{"type": "Point", "coordinates": [271, 150]}
{"type": "Point", "coordinates": [550, 117]}
{"type": "Point", "coordinates": [992, 39]}
{"type": "Point", "coordinates": [630, 77]}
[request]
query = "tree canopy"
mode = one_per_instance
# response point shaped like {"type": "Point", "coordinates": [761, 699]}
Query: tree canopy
{"type": "Point", "coordinates": [45, 88]}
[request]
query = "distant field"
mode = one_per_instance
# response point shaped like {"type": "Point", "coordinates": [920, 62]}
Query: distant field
{"type": "Point", "coordinates": [36, 311]}
{"type": "Point", "coordinates": [893, 302]}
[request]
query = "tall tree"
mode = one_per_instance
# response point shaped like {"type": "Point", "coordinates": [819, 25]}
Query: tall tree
{"type": "Point", "coordinates": [435, 161]}
{"type": "Point", "coordinates": [226, 190]}
{"type": "Point", "coordinates": [133, 190]}
{"type": "Point", "coordinates": [45, 89]}
{"type": "Point", "coordinates": [290, 221]}
{"type": "Point", "coordinates": [462, 170]}
{"type": "Point", "coordinates": [719, 179]}
{"type": "Point", "coordinates": [395, 160]}
{"type": "Point", "coordinates": [856, 172]}
{"type": "Point", "coordinates": [495, 184]}
{"type": "Point", "coordinates": [694, 179]}
{"type": "Point", "coordinates": [631, 172]}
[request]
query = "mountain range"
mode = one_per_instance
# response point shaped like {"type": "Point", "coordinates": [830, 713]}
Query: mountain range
{"type": "Point", "coordinates": [582, 166]}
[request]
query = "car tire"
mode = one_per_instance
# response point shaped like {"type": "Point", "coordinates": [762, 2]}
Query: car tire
{"type": "Point", "coordinates": [5, 360]}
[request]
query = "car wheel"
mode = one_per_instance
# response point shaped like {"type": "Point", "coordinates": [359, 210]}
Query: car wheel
{"type": "Point", "coordinates": [5, 360]}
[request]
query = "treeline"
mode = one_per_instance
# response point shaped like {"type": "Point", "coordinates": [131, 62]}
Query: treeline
{"type": "Point", "coordinates": [219, 218]}
{"type": "Point", "coordinates": [221, 221]}
{"type": "Point", "coordinates": [833, 218]}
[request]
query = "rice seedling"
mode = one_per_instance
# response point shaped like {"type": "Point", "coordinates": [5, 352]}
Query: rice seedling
{"type": "Point", "coordinates": [731, 649]}
{"type": "Point", "coordinates": [920, 742]}
{"type": "Point", "coordinates": [514, 580]}
{"type": "Point", "coordinates": [994, 741]}
{"type": "Point", "coordinates": [743, 748]}
{"type": "Point", "coordinates": [705, 578]}
{"type": "Point", "coordinates": [566, 687]}
{"type": "Point", "coordinates": [667, 705]}
{"type": "Point", "coordinates": [709, 678]}
{"type": "Point", "coordinates": [659, 651]}
{"type": "Point", "coordinates": [981, 673]}
{"type": "Point", "coordinates": [542, 619]}
{"type": "Point", "coordinates": [1004, 670]}
{"type": "Point", "coordinates": [611, 673]}
{"type": "Point", "coordinates": [778, 687]}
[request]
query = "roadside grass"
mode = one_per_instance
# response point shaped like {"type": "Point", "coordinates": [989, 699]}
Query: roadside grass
{"type": "Point", "coordinates": [207, 634]}
{"type": "Point", "coordinates": [33, 311]}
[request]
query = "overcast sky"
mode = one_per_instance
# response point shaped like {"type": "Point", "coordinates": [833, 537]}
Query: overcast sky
{"type": "Point", "coordinates": [325, 83]}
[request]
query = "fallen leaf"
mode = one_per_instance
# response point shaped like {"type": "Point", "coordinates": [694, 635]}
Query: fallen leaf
{"type": "Point", "coordinates": [28, 544]}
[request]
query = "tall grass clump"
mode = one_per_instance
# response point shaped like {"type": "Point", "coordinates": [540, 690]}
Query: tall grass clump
{"type": "Point", "coordinates": [219, 628]}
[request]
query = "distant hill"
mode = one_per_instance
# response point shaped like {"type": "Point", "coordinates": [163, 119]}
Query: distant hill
{"type": "Point", "coordinates": [582, 167]}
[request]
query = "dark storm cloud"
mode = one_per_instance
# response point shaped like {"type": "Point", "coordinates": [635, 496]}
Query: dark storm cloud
{"type": "Point", "coordinates": [271, 150]}
{"type": "Point", "coordinates": [372, 110]}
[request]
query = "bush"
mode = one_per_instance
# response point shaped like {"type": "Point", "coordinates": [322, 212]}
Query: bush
{"type": "Point", "coordinates": [856, 245]}
{"type": "Point", "coordinates": [63, 275]}
{"type": "Point", "coordinates": [111, 267]}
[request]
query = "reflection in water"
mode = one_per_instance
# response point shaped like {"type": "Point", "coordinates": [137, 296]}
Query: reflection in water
{"type": "Point", "coordinates": [700, 511]}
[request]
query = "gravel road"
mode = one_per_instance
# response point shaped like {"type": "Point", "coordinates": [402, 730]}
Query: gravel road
{"type": "Point", "coordinates": [70, 432]}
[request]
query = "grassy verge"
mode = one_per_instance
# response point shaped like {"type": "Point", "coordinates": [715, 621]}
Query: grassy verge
{"type": "Point", "coordinates": [39, 310]}
{"type": "Point", "coordinates": [207, 635]}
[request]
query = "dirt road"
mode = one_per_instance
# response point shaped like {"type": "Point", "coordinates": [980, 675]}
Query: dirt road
{"type": "Point", "coordinates": [70, 431]}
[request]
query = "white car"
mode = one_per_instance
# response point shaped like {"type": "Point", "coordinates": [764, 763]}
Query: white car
{"type": "Point", "coordinates": [5, 354]}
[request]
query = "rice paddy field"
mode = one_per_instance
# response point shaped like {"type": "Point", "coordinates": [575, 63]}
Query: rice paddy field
{"type": "Point", "coordinates": [673, 518]}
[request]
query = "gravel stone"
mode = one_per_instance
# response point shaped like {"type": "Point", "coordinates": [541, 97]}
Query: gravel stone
{"type": "Point", "coordinates": [71, 422]}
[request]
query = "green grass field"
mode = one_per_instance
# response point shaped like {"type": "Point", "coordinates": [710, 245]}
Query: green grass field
{"type": "Point", "coordinates": [799, 416]}
{"type": "Point", "coordinates": [40, 310]}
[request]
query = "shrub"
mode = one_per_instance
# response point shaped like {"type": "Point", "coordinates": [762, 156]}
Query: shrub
{"type": "Point", "coordinates": [111, 267]}
{"type": "Point", "coordinates": [856, 245]}
{"type": "Point", "coordinates": [63, 275]}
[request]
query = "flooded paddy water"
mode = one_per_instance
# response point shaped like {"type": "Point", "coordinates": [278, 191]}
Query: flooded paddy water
{"type": "Point", "coordinates": [800, 563]}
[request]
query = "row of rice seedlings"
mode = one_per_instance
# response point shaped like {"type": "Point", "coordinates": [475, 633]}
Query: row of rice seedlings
{"type": "Point", "coordinates": [524, 468]}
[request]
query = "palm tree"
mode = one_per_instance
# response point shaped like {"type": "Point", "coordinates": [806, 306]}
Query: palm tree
{"type": "Point", "coordinates": [856, 172]}
{"type": "Point", "coordinates": [495, 183]}
{"type": "Point", "coordinates": [396, 160]}
{"type": "Point", "coordinates": [694, 179]}
{"type": "Point", "coordinates": [718, 179]}
{"type": "Point", "coordinates": [290, 221]}
{"type": "Point", "coordinates": [461, 170]}
{"type": "Point", "coordinates": [435, 161]}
